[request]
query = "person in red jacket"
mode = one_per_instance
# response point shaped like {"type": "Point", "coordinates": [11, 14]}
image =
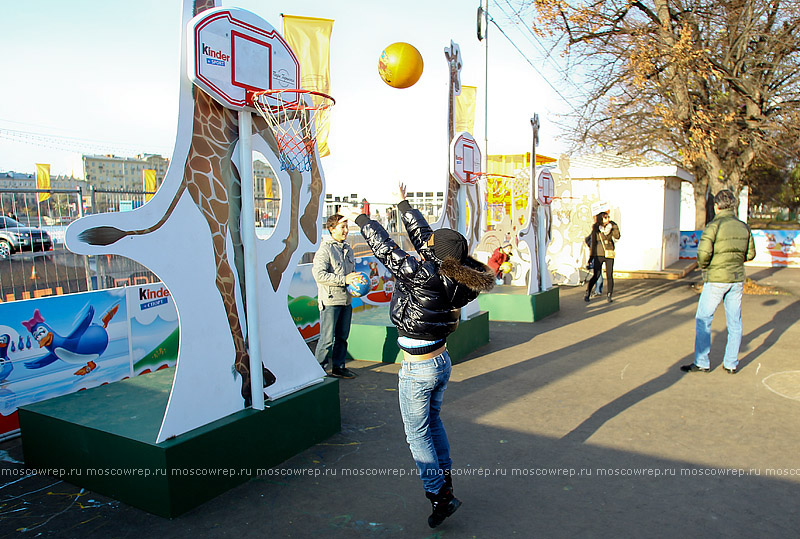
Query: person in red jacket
{"type": "Point", "coordinates": [499, 257]}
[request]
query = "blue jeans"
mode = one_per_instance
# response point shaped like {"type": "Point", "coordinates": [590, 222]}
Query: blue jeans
{"type": "Point", "coordinates": [334, 328]}
{"type": "Point", "coordinates": [731, 296]}
{"type": "Point", "coordinates": [421, 390]}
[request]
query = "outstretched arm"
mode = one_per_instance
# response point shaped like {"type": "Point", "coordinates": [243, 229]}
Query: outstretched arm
{"type": "Point", "coordinates": [417, 228]}
{"type": "Point", "coordinates": [399, 263]}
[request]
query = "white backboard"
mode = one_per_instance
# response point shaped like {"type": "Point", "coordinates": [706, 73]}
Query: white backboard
{"type": "Point", "coordinates": [465, 158]}
{"type": "Point", "coordinates": [233, 51]}
{"type": "Point", "coordinates": [545, 188]}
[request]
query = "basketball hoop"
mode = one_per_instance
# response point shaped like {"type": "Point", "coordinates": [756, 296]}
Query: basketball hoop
{"type": "Point", "coordinates": [290, 114]}
{"type": "Point", "coordinates": [495, 183]}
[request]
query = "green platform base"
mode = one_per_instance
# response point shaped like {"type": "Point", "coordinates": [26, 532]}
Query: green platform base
{"type": "Point", "coordinates": [514, 304]}
{"type": "Point", "coordinates": [373, 337]}
{"type": "Point", "coordinates": [103, 439]}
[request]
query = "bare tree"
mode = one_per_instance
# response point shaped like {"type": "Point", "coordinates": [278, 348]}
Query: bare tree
{"type": "Point", "coordinates": [710, 85]}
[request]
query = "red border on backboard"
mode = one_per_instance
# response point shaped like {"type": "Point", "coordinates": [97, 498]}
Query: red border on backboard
{"type": "Point", "coordinates": [235, 34]}
{"type": "Point", "coordinates": [219, 94]}
{"type": "Point", "coordinates": [545, 196]}
{"type": "Point", "coordinates": [464, 145]}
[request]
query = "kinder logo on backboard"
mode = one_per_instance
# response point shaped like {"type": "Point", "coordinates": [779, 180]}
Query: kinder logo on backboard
{"type": "Point", "coordinates": [215, 57]}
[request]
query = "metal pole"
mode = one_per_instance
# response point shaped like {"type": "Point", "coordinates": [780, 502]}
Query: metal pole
{"type": "Point", "coordinates": [485, 4]}
{"type": "Point", "coordinates": [248, 227]}
{"type": "Point", "coordinates": [86, 267]}
{"type": "Point", "coordinates": [540, 221]}
{"type": "Point", "coordinates": [93, 201]}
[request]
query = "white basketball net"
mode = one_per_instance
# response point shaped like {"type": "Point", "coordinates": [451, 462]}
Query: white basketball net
{"type": "Point", "coordinates": [291, 115]}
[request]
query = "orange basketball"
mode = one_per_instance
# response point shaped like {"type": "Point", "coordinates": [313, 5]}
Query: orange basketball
{"type": "Point", "coordinates": [400, 65]}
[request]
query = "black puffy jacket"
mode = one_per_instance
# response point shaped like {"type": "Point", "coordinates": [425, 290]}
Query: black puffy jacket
{"type": "Point", "coordinates": [429, 293]}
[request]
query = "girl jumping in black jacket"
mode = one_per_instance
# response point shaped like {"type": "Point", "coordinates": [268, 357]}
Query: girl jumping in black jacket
{"type": "Point", "coordinates": [426, 307]}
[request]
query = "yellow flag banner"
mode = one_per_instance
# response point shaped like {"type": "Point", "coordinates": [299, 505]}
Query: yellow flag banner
{"type": "Point", "coordinates": [149, 183]}
{"type": "Point", "coordinates": [43, 180]}
{"type": "Point", "coordinates": [268, 193]}
{"type": "Point", "coordinates": [465, 109]}
{"type": "Point", "coordinates": [310, 39]}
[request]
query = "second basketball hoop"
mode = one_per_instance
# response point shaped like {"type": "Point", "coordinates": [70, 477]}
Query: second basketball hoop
{"type": "Point", "coordinates": [465, 159]}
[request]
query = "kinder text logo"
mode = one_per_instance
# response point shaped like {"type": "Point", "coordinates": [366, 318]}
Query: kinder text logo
{"type": "Point", "coordinates": [153, 298]}
{"type": "Point", "coordinates": [215, 57]}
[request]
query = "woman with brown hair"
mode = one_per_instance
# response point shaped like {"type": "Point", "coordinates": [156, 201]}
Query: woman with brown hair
{"type": "Point", "coordinates": [601, 248]}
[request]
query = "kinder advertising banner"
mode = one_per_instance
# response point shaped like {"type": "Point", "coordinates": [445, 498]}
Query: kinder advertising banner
{"type": "Point", "coordinates": [153, 321]}
{"type": "Point", "coordinates": [58, 345]}
{"type": "Point", "coordinates": [688, 244]}
{"type": "Point", "coordinates": [776, 248]}
{"type": "Point", "coordinates": [303, 294]}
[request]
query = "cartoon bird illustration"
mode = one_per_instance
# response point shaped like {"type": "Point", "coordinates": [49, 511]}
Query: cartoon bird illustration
{"type": "Point", "coordinates": [81, 347]}
{"type": "Point", "coordinates": [5, 363]}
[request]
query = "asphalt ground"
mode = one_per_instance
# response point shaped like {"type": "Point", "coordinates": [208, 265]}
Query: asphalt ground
{"type": "Point", "coordinates": [579, 425]}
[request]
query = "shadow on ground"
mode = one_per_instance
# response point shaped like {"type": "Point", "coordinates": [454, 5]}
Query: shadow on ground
{"type": "Point", "coordinates": [580, 425]}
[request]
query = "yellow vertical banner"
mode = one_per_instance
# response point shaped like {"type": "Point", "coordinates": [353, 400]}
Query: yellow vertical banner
{"type": "Point", "coordinates": [310, 39]}
{"type": "Point", "coordinates": [465, 109]}
{"type": "Point", "coordinates": [43, 180]}
{"type": "Point", "coordinates": [149, 183]}
{"type": "Point", "coordinates": [268, 193]}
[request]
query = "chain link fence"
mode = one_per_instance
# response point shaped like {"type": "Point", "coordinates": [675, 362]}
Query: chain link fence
{"type": "Point", "coordinates": [33, 259]}
{"type": "Point", "coordinates": [34, 262]}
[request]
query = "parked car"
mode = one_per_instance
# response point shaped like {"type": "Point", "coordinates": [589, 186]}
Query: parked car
{"type": "Point", "coordinates": [15, 237]}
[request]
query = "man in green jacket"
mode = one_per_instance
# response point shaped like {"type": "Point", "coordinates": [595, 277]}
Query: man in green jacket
{"type": "Point", "coordinates": [724, 247]}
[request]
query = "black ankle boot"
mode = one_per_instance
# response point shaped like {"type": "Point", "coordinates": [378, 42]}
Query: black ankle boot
{"type": "Point", "coordinates": [448, 479]}
{"type": "Point", "coordinates": [443, 503]}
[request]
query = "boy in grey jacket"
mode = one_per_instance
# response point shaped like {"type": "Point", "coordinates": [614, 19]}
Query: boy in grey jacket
{"type": "Point", "coordinates": [333, 270]}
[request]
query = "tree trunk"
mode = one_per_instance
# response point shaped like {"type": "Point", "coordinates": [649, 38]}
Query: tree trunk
{"type": "Point", "coordinates": [703, 213]}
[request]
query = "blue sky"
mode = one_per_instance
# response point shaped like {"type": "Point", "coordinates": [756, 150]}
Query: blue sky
{"type": "Point", "coordinates": [107, 73]}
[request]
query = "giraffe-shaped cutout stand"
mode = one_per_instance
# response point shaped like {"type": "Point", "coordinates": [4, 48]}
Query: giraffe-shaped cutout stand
{"type": "Point", "coordinates": [190, 234]}
{"type": "Point", "coordinates": [542, 299]}
{"type": "Point", "coordinates": [462, 209]}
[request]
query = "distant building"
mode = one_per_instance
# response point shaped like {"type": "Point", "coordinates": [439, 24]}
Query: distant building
{"type": "Point", "coordinates": [265, 185]}
{"type": "Point", "coordinates": [334, 202]}
{"type": "Point", "coordinates": [124, 173]}
{"type": "Point", "coordinates": [430, 203]}
{"type": "Point", "coordinates": [267, 194]}
{"type": "Point", "coordinates": [21, 180]}
{"type": "Point", "coordinates": [17, 180]}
